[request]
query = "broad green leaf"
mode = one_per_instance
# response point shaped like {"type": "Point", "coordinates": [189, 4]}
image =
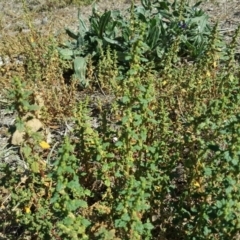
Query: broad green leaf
{"type": "Point", "coordinates": [66, 54]}
{"type": "Point", "coordinates": [80, 65]}
{"type": "Point", "coordinates": [104, 21]}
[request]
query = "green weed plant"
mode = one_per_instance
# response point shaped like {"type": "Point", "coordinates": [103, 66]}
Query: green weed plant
{"type": "Point", "coordinates": [164, 22]}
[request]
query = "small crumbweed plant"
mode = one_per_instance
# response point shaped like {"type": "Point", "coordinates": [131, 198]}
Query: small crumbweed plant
{"type": "Point", "coordinates": [161, 160]}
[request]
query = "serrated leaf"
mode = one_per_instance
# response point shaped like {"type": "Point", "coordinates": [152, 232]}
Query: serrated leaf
{"type": "Point", "coordinates": [125, 217]}
{"type": "Point", "coordinates": [75, 204]}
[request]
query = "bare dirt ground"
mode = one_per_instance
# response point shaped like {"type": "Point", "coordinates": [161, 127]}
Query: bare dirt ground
{"type": "Point", "coordinates": [48, 18]}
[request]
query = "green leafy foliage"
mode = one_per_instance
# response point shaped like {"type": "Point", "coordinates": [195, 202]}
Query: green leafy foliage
{"type": "Point", "coordinates": [163, 23]}
{"type": "Point", "coordinates": [162, 162]}
{"type": "Point", "coordinates": [69, 196]}
{"type": "Point", "coordinates": [21, 97]}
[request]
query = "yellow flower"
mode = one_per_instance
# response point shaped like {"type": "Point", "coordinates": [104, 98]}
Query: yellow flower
{"type": "Point", "coordinates": [27, 209]}
{"type": "Point", "coordinates": [214, 64]}
{"type": "Point", "coordinates": [164, 83]}
{"type": "Point", "coordinates": [196, 184]}
{"type": "Point", "coordinates": [44, 145]}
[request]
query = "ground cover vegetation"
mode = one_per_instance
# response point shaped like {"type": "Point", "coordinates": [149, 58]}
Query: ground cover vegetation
{"type": "Point", "coordinates": [159, 160]}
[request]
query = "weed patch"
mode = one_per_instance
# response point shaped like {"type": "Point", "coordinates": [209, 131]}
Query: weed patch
{"type": "Point", "coordinates": [159, 161]}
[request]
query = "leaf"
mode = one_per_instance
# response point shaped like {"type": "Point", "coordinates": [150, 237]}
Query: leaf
{"type": "Point", "coordinates": [75, 204]}
{"type": "Point", "coordinates": [107, 182]}
{"type": "Point", "coordinates": [35, 167]}
{"type": "Point", "coordinates": [80, 65]}
{"type": "Point", "coordinates": [66, 54]}
{"type": "Point", "coordinates": [85, 222]}
{"type": "Point", "coordinates": [27, 151]}
{"type": "Point", "coordinates": [154, 34]}
{"type": "Point", "coordinates": [112, 41]}
{"type": "Point", "coordinates": [104, 20]}
{"type": "Point", "coordinates": [125, 217]}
